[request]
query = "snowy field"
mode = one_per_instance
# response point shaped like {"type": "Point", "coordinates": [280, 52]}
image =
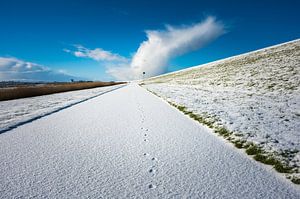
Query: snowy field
{"type": "Point", "coordinates": [16, 112]}
{"type": "Point", "coordinates": [255, 96]}
{"type": "Point", "coordinates": [128, 143]}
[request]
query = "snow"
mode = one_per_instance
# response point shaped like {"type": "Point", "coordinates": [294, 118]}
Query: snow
{"type": "Point", "coordinates": [17, 112]}
{"type": "Point", "coordinates": [255, 95]}
{"type": "Point", "coordinates": [128, 143]}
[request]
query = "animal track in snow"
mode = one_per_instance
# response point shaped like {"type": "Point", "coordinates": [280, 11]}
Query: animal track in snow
{"type": "Point", "coordinates": [151, 186]}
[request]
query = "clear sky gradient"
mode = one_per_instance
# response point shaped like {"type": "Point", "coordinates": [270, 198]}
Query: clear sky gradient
{"type": "Point", "coordinates": [39, 31]}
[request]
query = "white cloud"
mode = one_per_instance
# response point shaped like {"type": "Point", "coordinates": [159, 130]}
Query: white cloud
{"type": "Point", "coordinates": [67, 50]}
{"type": "Point", "coordinates": [13, 69]}
{"type": "Point", "coordinates": [97, 54]}
{"type": "Point", "coordinates": [119, 71]}
{"type": "Point", "coordinates": [154, 54]}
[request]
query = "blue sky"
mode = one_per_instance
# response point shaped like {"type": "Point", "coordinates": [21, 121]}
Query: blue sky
{"type": "Point", "coordinates": [48, 33]}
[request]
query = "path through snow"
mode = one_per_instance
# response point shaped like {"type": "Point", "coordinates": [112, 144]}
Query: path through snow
{"type": "Point", "coordinates": [128, 143]}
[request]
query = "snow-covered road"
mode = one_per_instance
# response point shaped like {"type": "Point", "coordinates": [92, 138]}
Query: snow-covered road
{"type": "Point", "coordinates": [128, 143]}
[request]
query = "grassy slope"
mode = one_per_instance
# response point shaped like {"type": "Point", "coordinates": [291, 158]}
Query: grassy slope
{"type": "Point", "coordinates": [257, 79]}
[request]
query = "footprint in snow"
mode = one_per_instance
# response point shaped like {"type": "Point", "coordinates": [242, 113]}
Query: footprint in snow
{"type": "Point", "coordinates": [151, 186]}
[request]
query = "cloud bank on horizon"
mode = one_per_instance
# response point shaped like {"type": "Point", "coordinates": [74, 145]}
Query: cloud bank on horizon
{"type": "Point", "coordinates": [13, 69]}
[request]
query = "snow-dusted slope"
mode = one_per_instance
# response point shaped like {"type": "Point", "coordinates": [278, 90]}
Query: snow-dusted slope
{"type": "Point", "coordinates": [256, 96]}
{"type": "Point", "coordinates": [128, 143]}
{"type": "Point", "coordinates": [17, 112]}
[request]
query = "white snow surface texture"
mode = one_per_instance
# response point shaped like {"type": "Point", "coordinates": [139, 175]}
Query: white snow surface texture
{"type": "Point", "coordinates": [128, 143]}
{"type": "Point", "coordinates": [17, 112]}
{"type": "Point", "coordinates": [256, 95]}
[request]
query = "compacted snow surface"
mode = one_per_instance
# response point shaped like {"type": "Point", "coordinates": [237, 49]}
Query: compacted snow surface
{"type": "Point", "coordinates": [17, 112]}
{"type": "Point", "coordinates": [128, 143]}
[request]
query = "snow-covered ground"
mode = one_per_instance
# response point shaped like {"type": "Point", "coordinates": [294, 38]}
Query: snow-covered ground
{"type": "Point", "coordinates": [128, 143]}
{"type": "Point", "coordinates": [255, 95]}
{"type": "Point", "coordinates": [16, 112]}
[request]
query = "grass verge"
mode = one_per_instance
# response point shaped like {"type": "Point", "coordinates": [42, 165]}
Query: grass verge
{"type": "Point", "coordinates": [250, 148]}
